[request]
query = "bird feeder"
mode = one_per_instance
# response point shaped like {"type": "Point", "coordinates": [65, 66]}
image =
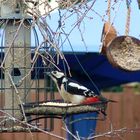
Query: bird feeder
{"type": "Point", "coordinates": [20, 79]}
{"type": "Point", "coordinates": [124, 51]}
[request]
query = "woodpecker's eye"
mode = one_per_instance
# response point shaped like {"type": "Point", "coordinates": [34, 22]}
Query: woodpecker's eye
{"type": "Point", "coordinates": [54, 72]}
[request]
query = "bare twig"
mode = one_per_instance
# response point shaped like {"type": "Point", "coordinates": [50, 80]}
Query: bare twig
{"type": "Point", "coordinates": [16, 34]}
{"type": "Point", "coordinates": [29, 125]}
{"type": "Point", "coordinates": [115, 133]}
{"type": "Point", "coordinates": [69, 132]}
{"type": "Point", "coordinates": [20, 100]}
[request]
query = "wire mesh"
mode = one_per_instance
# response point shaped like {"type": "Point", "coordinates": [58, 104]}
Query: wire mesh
{"type": "Point", "coordinates": [21, 80]}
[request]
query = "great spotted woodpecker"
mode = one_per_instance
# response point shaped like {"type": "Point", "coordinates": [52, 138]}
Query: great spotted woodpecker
{"type": "Point", "coordinates": [73, 92]}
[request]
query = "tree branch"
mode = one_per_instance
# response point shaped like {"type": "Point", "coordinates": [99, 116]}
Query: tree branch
{"type": "Point", "coordinates": [62, 109]}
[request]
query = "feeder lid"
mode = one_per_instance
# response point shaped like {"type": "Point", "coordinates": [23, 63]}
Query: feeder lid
{"type": "Point", "coordinates": [108, 34]}
{"type": "Point", "coordinates": [124, 52]}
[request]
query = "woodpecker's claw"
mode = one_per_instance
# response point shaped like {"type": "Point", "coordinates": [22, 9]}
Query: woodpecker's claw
{"type": "Point", "coordinates": [103, 112]}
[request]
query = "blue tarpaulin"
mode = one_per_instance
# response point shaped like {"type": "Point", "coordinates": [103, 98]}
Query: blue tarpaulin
{"type": "Point", "coordinates": [97, 66]}
{"type": "Point", "coordinates": [99, 70]}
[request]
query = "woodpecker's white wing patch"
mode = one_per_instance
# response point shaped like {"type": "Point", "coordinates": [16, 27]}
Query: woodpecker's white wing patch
{"type": "Point", "coordinates": [64, 80]}
{"type": "Point", "coordinates": [77, 86]}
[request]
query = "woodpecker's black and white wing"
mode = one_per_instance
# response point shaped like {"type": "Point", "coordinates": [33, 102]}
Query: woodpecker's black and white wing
{"type": "Point", "coordinates": [75, 88]}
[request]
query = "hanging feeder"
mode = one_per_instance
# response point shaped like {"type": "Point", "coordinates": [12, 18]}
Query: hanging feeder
{"type": "Point", "coordinates": [124, 51]}
{"type": "Point", "coordinates": [22, 77]}
{"type": "Point", "coordinates": [108, 32]}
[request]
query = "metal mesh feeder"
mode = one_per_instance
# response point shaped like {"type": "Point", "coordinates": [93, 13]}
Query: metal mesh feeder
{"type": "Point", "coordinates": [21, 80]}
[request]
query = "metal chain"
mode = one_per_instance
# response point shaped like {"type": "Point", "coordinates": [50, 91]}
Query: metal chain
{"type": "Point", "coordinates": [108, 11]}
{"type": "Point", "coordinates": [127, 26]}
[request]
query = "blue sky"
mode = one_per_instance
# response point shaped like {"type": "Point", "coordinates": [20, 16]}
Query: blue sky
{"type": "Point", "coordinates": [92, 27]}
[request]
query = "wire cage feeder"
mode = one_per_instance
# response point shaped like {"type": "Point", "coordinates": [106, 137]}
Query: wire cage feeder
{"type": "Point", "coordinates": [21, 81]}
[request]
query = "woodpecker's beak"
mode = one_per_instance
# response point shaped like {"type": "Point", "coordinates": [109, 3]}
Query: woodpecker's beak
{"type": "Point", "coordinates": [47, 73]}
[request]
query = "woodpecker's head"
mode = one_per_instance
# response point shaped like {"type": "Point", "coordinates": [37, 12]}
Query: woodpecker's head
{"type": "Point", "coordinates": [56, 75]}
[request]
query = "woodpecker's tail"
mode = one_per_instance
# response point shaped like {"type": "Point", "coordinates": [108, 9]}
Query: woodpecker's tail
{"type": "Point", "coordinates": [103, 99]}
{"type": "Point", "coordinates": [113, 101]}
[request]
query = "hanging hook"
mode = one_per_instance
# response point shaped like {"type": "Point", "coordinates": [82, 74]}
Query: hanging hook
{"type": "Point", "coordinates": [128, 3]}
